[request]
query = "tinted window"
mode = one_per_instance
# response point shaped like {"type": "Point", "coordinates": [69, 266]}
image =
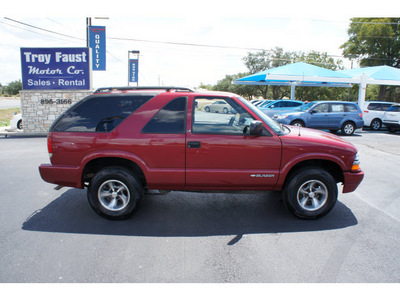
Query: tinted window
{"type": "Point", "coordinates": [375, 106]}
{"type": "Point", "coordinates": [386, 106]}
{"type": "Point", "coordinates": [350, 108]}
{"type": "Point", "coordinates": [99, 113]}
{"type": "Point", "coordinates": [170, 119]}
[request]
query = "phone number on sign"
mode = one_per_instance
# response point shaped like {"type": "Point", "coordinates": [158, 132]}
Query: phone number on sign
{"type": "Point", "coordinates": [56, 101]}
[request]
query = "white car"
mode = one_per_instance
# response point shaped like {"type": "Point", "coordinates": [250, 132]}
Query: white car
{"type": "Point", "coordinates": [16, 121]}
{"type": "Point", "coordinates": [373, 113]}
{"type": "Point", "coordinates": [391, 119]}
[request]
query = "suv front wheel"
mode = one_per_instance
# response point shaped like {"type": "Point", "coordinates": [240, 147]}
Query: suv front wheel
{"type": "Point", "coordinates": [310, 193]}
{"type": "Point", "coordinates": [115, 193]}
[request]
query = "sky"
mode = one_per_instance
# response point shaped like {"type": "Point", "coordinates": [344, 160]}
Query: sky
{"type": "Point", "coordinates": [221, 34]}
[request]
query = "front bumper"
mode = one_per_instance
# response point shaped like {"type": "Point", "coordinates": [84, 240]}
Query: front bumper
{"type": "Point", "coordinates": [352, 181]}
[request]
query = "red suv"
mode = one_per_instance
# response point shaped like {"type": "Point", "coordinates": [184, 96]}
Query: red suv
{"type": "Point", "coordinates": [121, 142]}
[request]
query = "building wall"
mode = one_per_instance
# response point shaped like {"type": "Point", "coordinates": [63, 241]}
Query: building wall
{"type": "Point", "coordinates": [40, 108]}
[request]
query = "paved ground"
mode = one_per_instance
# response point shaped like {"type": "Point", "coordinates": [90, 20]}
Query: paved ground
{"type": "Point", "coordinates": [9, 103]}
{"type": "Point", "coordinates": [53, 236]}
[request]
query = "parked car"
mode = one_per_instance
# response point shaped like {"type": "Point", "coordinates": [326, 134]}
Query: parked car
{"type": "Point", "coordinates": [121, 142]}
{"type": "Point", "coordinates": [332, 115]}
{"type": "Point", "coordinates": [373, 113]}
{"type": "Point", "coordinates": [16, 121]}
{"type": "Point", "coordinates": [219, 106]}
{"type": "Point", "coordinates": [262, 103]}
{"type": "Point", "coordinates": [391, 118]}
{"type": "Point", "coordinates": [278, 106]}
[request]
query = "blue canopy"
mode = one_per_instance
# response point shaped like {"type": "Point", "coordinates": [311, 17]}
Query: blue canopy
{"type": "Point", "coordinates": [299, 74]}
{"type": "Point", "coordinates": [382, 75]}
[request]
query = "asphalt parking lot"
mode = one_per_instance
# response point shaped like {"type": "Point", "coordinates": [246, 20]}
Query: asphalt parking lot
{"type": "Point", "coordinates": [53, 236]}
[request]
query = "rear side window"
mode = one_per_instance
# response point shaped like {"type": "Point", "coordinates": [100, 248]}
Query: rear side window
{"type": "Point", "coordinates": [375, 106]}
{"type": "Point", "coordinates": [99, 113]}
{"type": "Point", "coordinates": [170, 119]}
{"type": "Point", "coordinates": [350, 108]}
{"type": "Point", "coordinates": [337, 107]}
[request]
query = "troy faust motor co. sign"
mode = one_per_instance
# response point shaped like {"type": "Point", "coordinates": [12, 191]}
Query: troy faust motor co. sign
{"type": "Point", "coordinates": [55, 68]}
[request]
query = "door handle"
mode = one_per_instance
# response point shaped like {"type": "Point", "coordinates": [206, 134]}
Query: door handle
{"type": "Point", "coordinates": [193, 144]}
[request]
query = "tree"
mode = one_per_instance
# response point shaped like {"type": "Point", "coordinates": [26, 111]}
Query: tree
{"type": "Point", "coordinates": [263, 60]}
{"type": "Point", "coordinates": [13, 88]}
{"type": "Point", "coordinates": [374, 42]}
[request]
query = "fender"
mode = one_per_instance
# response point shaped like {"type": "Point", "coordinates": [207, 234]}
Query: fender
{"type": "Point", "coordinates": [114, 154]}
{"type": "Point", "coordinates": [306, 157]}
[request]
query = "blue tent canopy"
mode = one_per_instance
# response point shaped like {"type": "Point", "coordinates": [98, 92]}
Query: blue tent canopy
{"type": "Point", "coordinates": [303, 74]}
{"type": "Point", "coordinates": [298, 74]}
{"type": "Point", "coordinates": [382, 75]}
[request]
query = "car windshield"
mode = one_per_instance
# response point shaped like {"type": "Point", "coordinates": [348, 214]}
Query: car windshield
{"type": "Point", "coordinates": [274, 125]}
{"type": "Point", "coordinates": [394, 108]}
{"type": "Point", "coordinates": [306, 106]}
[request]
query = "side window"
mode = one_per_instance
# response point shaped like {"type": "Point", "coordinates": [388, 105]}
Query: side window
{"type": "Point", "coordinates": [322, 108]}
{"type": "Point", "coordinates": [350, 108]}
{"type": "Point", "coordinates": [100, 113]}
{"type": "Point", "coordinates": [386, 106]}
{"type": "Point", "coordinates": [374, 106]}
{"type": "Point", "coordinates": [337, 108]}
{"type": "Point", "coordinates": [170, 119]}
{"type": "Point", "coordinates": [231, 122]}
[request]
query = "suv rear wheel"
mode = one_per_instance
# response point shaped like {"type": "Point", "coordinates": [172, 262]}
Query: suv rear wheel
{"type": "Point", "coordinates": [376, 124]}
{"type": "Point", "coordinates": [310, 193]}
{"type": "Point", "coordinates": [348, 128]}
{"type": "Point", "coordinates": [115, 193]}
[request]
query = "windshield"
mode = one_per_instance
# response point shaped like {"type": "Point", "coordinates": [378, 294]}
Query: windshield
{"type": "Point", "coordinates": [306, 106]}
{"type": "Point", "coordinates": [394, 108]}
{"type": "Point", "coordinates": [275, 126]}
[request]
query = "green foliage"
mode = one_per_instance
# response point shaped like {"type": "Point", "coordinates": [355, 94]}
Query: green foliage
{"type": "Point", "coordinates": [375, 42]}
{"type": "Point", "coordinates": [12, 88]}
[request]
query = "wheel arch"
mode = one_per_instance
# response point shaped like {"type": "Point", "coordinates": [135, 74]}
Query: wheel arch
{"type": "Point", "coordinates": [330, 166]}
{"type": "Point", "coordinates": [299, 120]}
{"type": "Point", "coordinates": [96, 164]}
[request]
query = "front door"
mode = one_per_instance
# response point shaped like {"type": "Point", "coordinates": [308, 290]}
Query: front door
{"type": "Point", "coordinates": [318, 117]}
{"type": "Point", "coordinates": [219, 155]}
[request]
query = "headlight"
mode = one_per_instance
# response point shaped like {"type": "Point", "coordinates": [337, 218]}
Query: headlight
{"type": "Point", "coordinates": [356, 163]}
{"type": "Point", "coordinates": [281, 116]}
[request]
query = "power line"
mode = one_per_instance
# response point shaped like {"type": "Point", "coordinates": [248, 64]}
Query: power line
{"type": "Point", "coordinates": [73, 37]}
{"type": "Point", "coordinates": [173, 43]}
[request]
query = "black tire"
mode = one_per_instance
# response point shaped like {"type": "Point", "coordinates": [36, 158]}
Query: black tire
{"type": "Point", "coordinates": [207, 109]}
{"type": "Point", "coordinates": [114, 193]}
{"type": "Point", "coordinates": [376, 124]}
{"type": "Point", "coordinates": [298, 123]}
{"type": "Point", "coordinates": [310, 193]}
{"type": "Point", "coordinates": [225, 110]}
{"type": "Point", "coordinates": [19, 125]}
{"type": "Point", "coordinates": [391, 129]}
{"type": "Point", "coordinates": [348, 128]}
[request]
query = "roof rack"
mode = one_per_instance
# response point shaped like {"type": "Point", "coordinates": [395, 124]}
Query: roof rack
{"type": "Point", "coordinates": [138, 88]}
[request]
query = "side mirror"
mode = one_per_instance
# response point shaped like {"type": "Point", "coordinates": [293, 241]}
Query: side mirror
{"type": "Point", "coordinates": [313, 111]}
{"type": "Point", "coordinates": [256, 128]}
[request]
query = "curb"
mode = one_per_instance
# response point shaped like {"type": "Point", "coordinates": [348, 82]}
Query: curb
{"type": "Point", "coordinates": [8, 132]}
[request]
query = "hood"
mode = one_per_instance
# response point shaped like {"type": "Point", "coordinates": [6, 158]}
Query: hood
{"type": "Point", "coordinates": [316, 140]}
